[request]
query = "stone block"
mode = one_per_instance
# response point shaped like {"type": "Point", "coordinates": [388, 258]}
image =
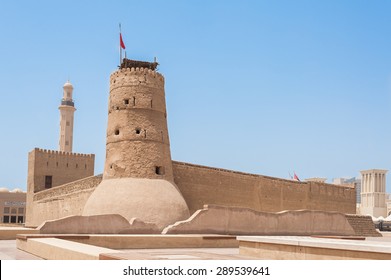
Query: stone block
{"type": "Point", "coordinates": [98, 224]}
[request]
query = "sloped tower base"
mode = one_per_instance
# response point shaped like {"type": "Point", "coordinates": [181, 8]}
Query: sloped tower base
{"type": "Point", "coordinates": [151, 200]}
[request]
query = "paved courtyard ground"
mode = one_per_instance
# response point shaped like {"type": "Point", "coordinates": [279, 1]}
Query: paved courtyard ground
{"type": "Point", "coordinates": [8, 251]}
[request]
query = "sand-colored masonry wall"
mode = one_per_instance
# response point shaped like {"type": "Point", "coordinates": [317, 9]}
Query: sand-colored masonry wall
{"type": "Point", "coordinates": [202, 185]}
{"type": "Point", "coordinates": [63, 167]}
{"type": "Point", "coordinates": [205, 185]}
{"type": "Point", "coordinates": [62, 201]}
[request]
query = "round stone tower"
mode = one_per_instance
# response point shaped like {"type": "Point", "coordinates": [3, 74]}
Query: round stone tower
{"type": "Point", "coordinates": [138, 180]}
{"type": "Point", "coordinates": [137, 136]}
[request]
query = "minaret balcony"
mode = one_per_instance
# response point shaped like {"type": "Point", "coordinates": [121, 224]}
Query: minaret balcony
{"type": "Point", "coordinates": [67, 102]}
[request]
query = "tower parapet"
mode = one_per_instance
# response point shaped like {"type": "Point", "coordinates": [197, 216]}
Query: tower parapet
{"type": "Point", "coordinates": [129, 63]}
{"type": "Point", "coordinates": [138, 166]}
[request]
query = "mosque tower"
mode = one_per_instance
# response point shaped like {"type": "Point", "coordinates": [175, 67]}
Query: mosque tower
{"type": "Point", "coordinates": [67, 109]}
{"type": "Point", "coordinates": [138, 179]}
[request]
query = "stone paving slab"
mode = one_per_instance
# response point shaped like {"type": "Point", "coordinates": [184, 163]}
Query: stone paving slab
{"type": "Point", "coordinates": [331, 243]}
{"type": "Point", "coordinates": [60, 249]}
{"type": "Point", "coordinates": [8, 251]}
{"type": "Point", "coordinates": [144, 241]}
{"type": "Point", "coordinates": [178, 254]}
{"type": "Point", "coordinates": [302, 248]}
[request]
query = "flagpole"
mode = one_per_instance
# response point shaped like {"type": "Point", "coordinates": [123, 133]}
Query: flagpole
{"type": "Point", "coordinates": [120, 49]}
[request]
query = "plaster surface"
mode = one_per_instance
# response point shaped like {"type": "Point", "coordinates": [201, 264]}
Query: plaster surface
{"type": "Point", "coordinates": [244, 221]}
{"type": "Point", "coordinates": [151, 200]}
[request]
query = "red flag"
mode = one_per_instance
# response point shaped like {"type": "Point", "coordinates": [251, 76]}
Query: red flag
{"type": "Point", "coordinates": [121, 43]}
{"type": "Point", "coordinates": [295, 177]}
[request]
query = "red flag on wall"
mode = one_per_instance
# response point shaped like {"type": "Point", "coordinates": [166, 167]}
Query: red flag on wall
{"type": "Point", "coordinates": [121, 42]}
{"type": "Point", "coordinates": [295, 177]}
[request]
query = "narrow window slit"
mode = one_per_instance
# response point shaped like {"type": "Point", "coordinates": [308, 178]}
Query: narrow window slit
{"type": "Point", "coordinates": [159, 170]}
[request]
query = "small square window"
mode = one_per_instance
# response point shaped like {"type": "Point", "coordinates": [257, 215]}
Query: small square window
{"type": "Point", "coordinates": [6, 210]}
{"type": "Point", "coordinates": [13, 210]}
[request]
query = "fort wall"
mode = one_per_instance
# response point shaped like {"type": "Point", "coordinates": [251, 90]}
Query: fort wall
{"type": "Point", "coordinates": [201, 185]}
{"type": "Point", "coordinates": [63, 167]}
{"type": "Point", "coordinates": [61, 201]}
{"type": "Point", "coordinates": [48, 169]}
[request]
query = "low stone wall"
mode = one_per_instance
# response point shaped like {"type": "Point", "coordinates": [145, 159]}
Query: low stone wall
{"type": "Point", "coordinates": [98, 224]}
{"type": "Point", "coordinates": [9, 233]}
{"type": "Point", "coordinates": [215, 219]}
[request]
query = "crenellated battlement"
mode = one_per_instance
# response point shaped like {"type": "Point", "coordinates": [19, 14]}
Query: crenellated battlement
{"type": "Point", "coordinates": [49, 168]}
{"type": "Point", "coordinates": [53, 152]}
{"type": "Point", "coordinates": [117, 76]}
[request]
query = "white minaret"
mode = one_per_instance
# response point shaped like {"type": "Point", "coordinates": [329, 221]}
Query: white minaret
{"type": "Point", "coordinates": [373, 192]}
{"type": "Point", "coordinates": [66, 119]}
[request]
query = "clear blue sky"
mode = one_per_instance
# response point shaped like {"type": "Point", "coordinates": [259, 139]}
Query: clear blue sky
{"type": "Point", "coordinates": [266, 87]}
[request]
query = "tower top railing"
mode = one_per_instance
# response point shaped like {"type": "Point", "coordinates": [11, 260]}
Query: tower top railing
{"type": "Point", "coordinates": [129, 63]}
{"type": "Point", "coordinates": [67, 102]}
